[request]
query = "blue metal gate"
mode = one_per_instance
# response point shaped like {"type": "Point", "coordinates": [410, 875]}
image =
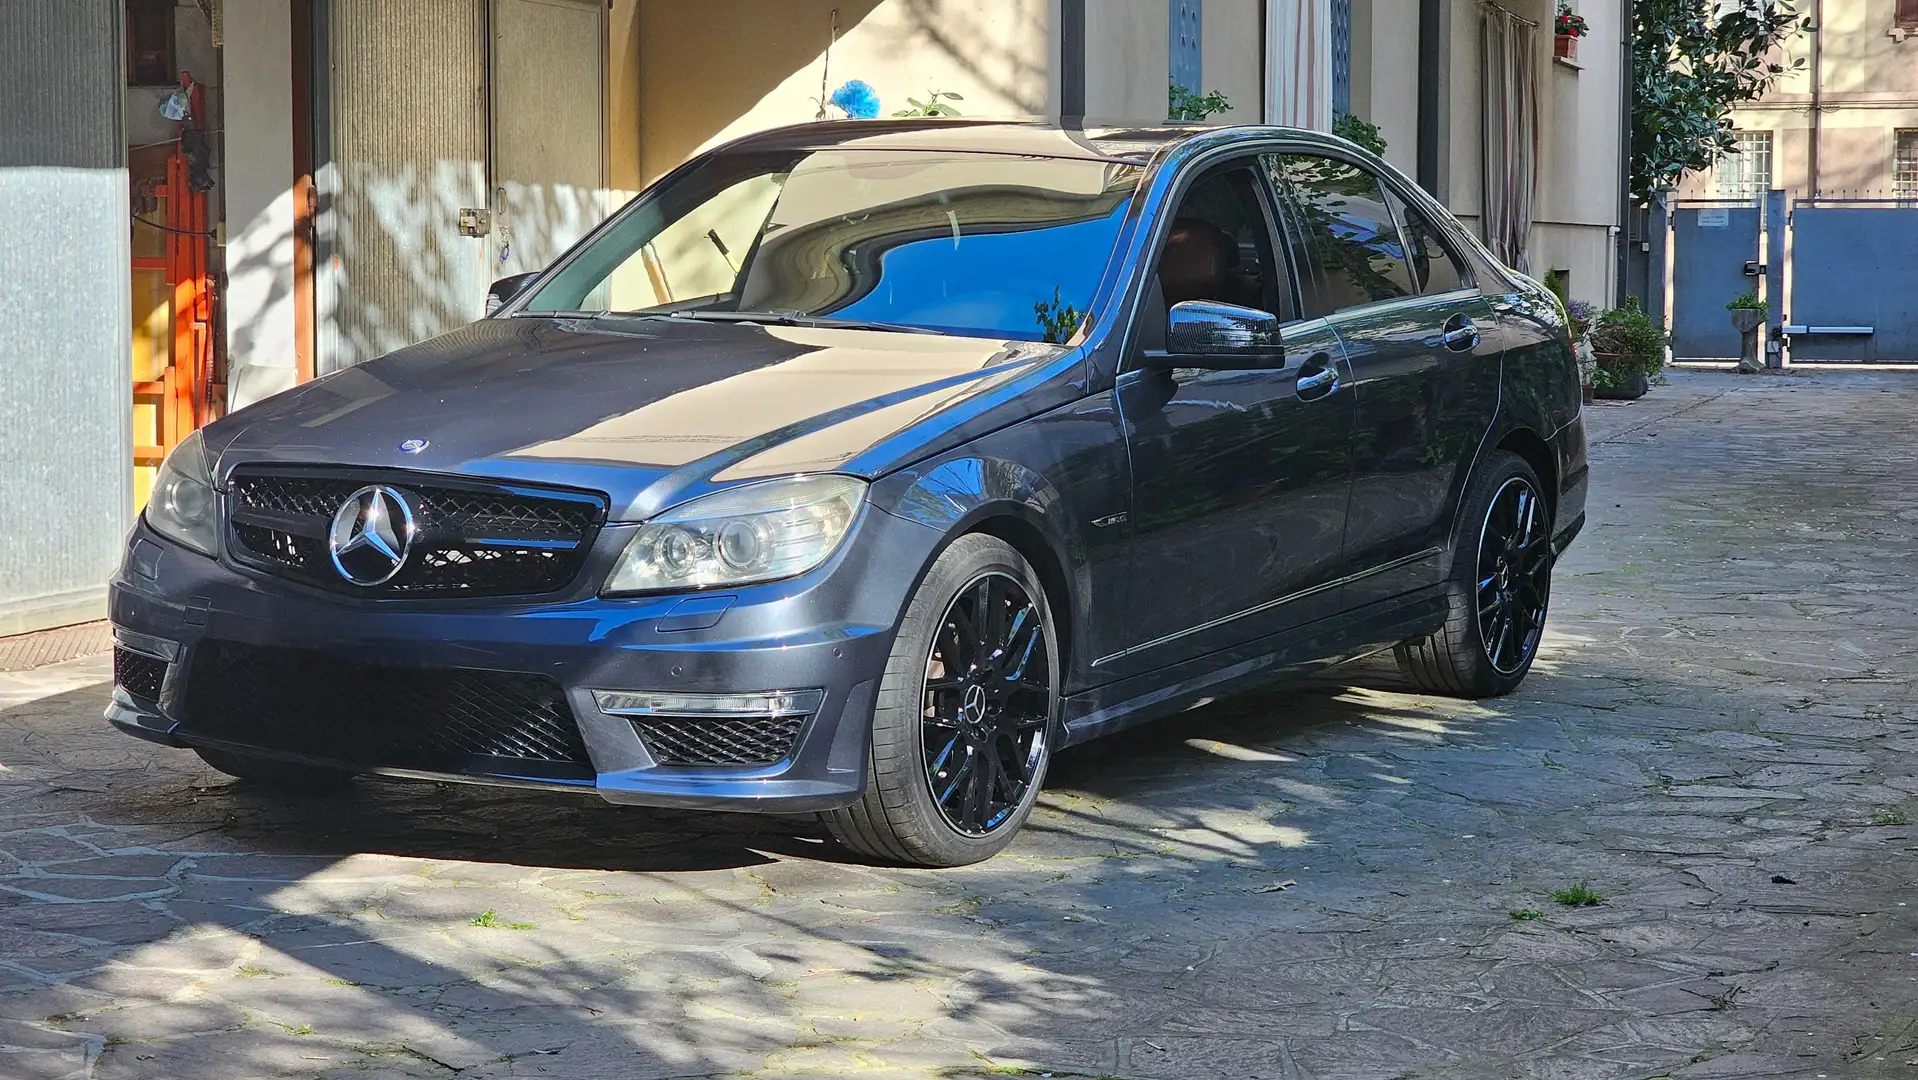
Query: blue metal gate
{"type": "Point", "coordinates": [1850, 290]}
{"type": "Point", "coordinates": [1715, 257]}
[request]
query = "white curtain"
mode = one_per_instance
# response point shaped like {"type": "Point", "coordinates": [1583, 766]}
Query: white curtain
{"type": "Point", "coordinates": [1298, 63]}
{"type": "Point", "coordinates": [1510, 119]}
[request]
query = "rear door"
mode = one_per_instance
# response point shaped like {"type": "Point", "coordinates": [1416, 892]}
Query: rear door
{"type": "Point", "coordinates": [1423, 351]}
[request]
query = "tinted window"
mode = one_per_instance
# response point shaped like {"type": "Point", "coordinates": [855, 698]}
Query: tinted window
{"type": "Point", "coordinates": [1434, 266]}
{"type": "Point", "coordinates": [984, 244]}
{"type": "Point", "coordinates": [1220, 246]}
{"type": "Point", "coordinates": [1348, 249]}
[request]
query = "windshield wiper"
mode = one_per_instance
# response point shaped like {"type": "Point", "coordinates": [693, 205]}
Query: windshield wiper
{"type": "Point", "coordinates": [795, 318]}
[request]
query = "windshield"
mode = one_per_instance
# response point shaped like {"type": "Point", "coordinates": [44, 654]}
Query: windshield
{"type": "Point", "coordinates": [987, 245]}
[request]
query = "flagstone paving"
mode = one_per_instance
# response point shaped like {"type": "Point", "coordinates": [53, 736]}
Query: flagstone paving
{"type": "Point", "coordinates": [1339, 879]}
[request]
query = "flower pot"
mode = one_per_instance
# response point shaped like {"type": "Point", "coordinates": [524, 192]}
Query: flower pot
{"type": "Point", "coordinates": [1589, 393]}
{"type": "Point", "coordinates": [1628, 383]}
{"type": "Point", "coordinates": [1745, 320]}
{"type": "Point", "coordinates": [1565, 46]}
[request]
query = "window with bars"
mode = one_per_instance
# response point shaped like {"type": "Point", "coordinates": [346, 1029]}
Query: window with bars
{"type": "Point", "coordinates": [1904, 165]}
{"type": "Point", "coordinates": [1745, 173]}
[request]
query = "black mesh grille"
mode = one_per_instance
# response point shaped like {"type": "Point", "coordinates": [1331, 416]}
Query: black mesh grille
{"type": "Point", "coordinates": [138, 674]}
{"type": "Point", "coordinates": [471, 539]}
{"type": "Point", "coordinates": [308, 702]}
{"type": "Point", "coordinates": [674, 740]}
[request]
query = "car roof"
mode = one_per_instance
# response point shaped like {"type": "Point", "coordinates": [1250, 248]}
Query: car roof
{"type": "Point", "coordinates": [1130, 144]}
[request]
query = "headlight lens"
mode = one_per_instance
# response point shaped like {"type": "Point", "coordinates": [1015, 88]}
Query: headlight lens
{"type": "Point", "coordinates": [183, 507]}
{"type": "Point", "coordinates": [755, 532]}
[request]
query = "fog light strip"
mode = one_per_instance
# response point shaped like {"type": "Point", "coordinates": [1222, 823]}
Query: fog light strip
{"type": "Point", "coordinates": [761, 703]}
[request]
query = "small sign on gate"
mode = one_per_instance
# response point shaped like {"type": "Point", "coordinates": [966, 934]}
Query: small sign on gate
{"type": "Point", "coordinates": [1717, 217]}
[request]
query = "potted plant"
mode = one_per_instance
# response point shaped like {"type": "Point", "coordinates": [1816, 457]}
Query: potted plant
{"type": "Point", "coordinates": [1748, 314]}
{"type": "Point", "coordinates": [1630, 349]}
{"type": "Point", "coordinates": [1567, 28]}
{"type": "Point", "coordinates": [1583, 315]}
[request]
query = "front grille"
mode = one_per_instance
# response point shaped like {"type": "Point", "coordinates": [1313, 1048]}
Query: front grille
{"type": "Point", "coordinates": [471, 539]}
{"type": "Point", "coordinates": [138, 674]}
{"type": "Point", "coordinates": [301, 701]}
{"type": "Point", "coordinates": [676, 740]}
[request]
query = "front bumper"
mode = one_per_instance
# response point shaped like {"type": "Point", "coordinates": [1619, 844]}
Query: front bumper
{"type": "Point", "coordinates": [829, 631]}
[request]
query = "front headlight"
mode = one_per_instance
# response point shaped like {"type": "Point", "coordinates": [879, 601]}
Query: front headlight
{"type": "Point", "coordinates": [183, 507]}
{"type": "Point", "coordinates": [755, 532]}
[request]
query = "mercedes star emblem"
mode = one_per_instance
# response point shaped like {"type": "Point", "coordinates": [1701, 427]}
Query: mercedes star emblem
{"type": "Point", "coordinates": [974, 703]}
{"type": "Point", "coordinates": [371, 533]}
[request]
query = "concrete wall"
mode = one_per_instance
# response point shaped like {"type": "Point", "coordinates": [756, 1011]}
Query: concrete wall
{"type": "Point", "coordinates": [1127, 59]}
{"type": "Point", "coordinates": [66, 407]}
{"type": "Point", "coordinates": [703, 81]}
{"type": "Point", "coordinates": [256, 61]}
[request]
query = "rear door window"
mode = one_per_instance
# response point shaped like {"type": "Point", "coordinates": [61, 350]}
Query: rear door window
{"type": "Point", "coordinates": [1436, 268]}
{"type": "Point", "coordinates": [1346, 243]}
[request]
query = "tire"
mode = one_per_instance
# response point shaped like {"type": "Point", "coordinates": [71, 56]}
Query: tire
{"type": "Point", "coordinates": [982, 736]}
{"type": "Point", "coordinates": [264, 772]}
{"type": "Point", "coordinates": [1486, 653]}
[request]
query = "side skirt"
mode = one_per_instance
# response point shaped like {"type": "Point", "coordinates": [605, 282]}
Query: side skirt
{"type": "Point", "coordinates": [1202, 680]}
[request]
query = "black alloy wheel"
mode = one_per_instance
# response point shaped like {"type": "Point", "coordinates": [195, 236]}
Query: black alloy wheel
{"type": "Point", "coordinates": [988, 700]}
{"type": "Point", "coordinates": [1499, 590]}
{"type": "Point", "coordinates": [1514, 576]}
{"type": "Point", "coordinates": [966, 714]}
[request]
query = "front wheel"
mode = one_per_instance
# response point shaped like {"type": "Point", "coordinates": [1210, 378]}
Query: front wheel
{"type": "Point", "coordinates": [1500, 589]}
{"type": "Point", "coordinates": [963, 727]}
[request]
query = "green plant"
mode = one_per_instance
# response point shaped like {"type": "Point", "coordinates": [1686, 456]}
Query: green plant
{"type": "Point", "coordinates": [491, 920]}
{"type": "Point", "coordinates": [1890, 817]}
{"type": "Point", "coordinates": [1569, 22]}
{"type": "Point", "coordinates": [1363, 132]}
{"type": "Point", "coordinates": [1747, 302]}
{"type": "Point", "coordinates": [1191, 106]}
{"type": "Point", "coordinates": [1555, 281]}
{"type": "Point", "coordinates": [1692, 62]}
{"type": "Point", "coordinates": [1579, 895]}
{"type": "Point", "coordinates": [934, 105]}
{"type": "Point", "coordinates": [1059, 320]}
{"type": "Point", "coordinates": [1527, 915]}
{"type": "Point", "coordinates": [1628, 343]}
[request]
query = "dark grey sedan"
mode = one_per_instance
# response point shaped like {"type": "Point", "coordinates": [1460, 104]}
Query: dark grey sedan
{"type": "Point", "coordinates": [857, 468]}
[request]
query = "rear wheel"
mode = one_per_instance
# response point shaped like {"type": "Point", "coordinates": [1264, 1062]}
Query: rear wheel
{"type": "Point", "coordinates": [963, 724]}
{"type": "Point", "coordinates": [265, 772]}
{"type": "Point", "coordinates": [1501, 587]}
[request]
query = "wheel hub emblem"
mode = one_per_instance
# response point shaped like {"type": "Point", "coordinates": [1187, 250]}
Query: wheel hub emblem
{"type": "Point", "coordinates": [371, 534]}
{"type": "Point", "coordinates": [975, 703]}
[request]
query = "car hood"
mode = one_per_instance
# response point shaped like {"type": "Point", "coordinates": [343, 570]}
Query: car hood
{"type": "Point", "coordinates": [650, 411]}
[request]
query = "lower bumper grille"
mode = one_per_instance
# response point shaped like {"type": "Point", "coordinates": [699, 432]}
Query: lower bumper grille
{"type": "Point", "coordinates": [673, 740]}
{"type": "Point", "coordinates": [138, 674]}
{"type": "Point", "coordinates": [306, 702]}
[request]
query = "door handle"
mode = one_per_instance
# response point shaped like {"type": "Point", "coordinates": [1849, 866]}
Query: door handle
{"type": "Point", "coordinates": [1326, 379]}
{"type": "Point", "coordinates": [1461, 334]}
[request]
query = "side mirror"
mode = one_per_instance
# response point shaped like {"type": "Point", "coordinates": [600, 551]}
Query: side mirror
{"type": "Point", "coordinates": [1224, 337]}
{"type": "Point", "coordinates": [507, 289]}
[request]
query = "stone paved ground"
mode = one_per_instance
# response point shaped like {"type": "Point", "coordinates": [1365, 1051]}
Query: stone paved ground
{"type": "Point", "coordinates": [1319, 882]}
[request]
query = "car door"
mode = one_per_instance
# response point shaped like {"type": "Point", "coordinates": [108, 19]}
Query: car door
{"type": "Point", "coordinates": [1240, 478]}
{"type": "Point", "coordinates": [1423, 353]}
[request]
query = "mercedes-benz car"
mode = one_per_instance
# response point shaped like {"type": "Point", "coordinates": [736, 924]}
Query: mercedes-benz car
{"type": "Point", "coordinates": [855, 469]}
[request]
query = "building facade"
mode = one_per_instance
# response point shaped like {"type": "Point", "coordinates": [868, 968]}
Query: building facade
{"type": "Point", "coordinates": [1844, 125]}
{"type": "Point", "coordinates": [290, 187]}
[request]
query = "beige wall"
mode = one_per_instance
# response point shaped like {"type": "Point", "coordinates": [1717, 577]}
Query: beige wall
{"type": "Point", "coordinates": [1230, 59]}
{"type": "Point", "coordinates": [1128, 43]}
{"type": "Point", "coordinates": [703, 80]}
{"type": "Point", "coordinates": [1385, 73]}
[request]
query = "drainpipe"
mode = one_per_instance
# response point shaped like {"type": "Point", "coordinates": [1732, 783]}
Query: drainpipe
{"type": "Point", "coordinates": [1430, 87]}
{"type": "Point", "coordinates": [1624, 242]}
{"type": "Point", "coordinates": [1817, 87]}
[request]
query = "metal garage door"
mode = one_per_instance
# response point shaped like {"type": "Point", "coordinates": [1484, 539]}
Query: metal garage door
{"type": "Point", "coordinates": [548, 174]}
